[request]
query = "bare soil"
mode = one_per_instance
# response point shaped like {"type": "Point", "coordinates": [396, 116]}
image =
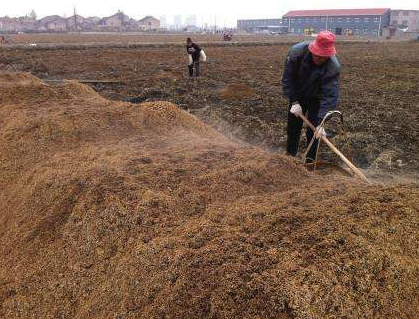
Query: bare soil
{"type": "Point", "coordinates": [116, 210]}
{"type": "Point", "coordinates": [138, 38]}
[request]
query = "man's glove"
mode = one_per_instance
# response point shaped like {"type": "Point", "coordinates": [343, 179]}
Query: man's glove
{"type": "Point", "coordinates": [296, 109]}
{"type": "Point", "coordinates": [320, 132]}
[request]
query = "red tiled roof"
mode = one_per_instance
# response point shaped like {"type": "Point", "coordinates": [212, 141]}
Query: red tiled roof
{"type": "Point", "coordinates": [336, 12]}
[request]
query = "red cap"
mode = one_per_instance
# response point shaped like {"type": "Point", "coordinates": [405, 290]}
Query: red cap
{"type": "Point", "coordinates": [324, 45]}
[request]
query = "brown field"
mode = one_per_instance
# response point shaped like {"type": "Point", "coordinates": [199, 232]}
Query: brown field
{"type": "Point", "coordinates": [379, 91]}
{"type": "Point", "coordinates": [153, 38]}
{"type": "Point", "coordinates": [182, 206]}
{"type": "Point", "coordinates": [136, 38]}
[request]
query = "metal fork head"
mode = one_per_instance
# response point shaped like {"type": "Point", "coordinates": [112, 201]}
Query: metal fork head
{"type": "Point", "coordinates": [330, 114]}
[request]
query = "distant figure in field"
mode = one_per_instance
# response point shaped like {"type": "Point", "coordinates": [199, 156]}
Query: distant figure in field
{"type": "Point", "coordinates": [311, 82]}
{"type": "Point", "coordinates": [195, 53]}
{"type": "Point", "coordinates": [2, 39]}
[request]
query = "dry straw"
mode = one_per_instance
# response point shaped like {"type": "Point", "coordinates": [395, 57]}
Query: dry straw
{"type": "Point", "coordinates": [115, 210]}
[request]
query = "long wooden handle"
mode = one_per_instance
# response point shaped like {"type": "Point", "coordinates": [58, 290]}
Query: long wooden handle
{"type": "Point", "coordinates": [338, 153]}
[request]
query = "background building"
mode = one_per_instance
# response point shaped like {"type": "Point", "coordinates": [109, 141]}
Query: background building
{"type": "Point", "coordinates": [91, 23]}
{"type": "Point", "coordinates": [367, 22]}
{"type": "Point", "coordinates": [115, 22]}
{"type": "Point", "coordinates": [57, 25]}
{"type": "Point", "coordinates": [17, 24]}
{"type": "Point", "coordinates": [405, 19]}
{"type": "Point", "coordinates": [75, 23]}
{"type": "Point", "coordinates": [149, 23]}
{"type": "Point", "coordinates": [118, 22]}
{"type": "Point", "coordinates": [44, 23]}
{"type": "Point", "coordinates": [9, 24]}
{"type": "Point", "coordinates": [254, 25]}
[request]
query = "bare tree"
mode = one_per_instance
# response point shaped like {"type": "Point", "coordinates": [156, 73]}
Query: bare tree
{"type": "Point", "coordinates": [33, 15]}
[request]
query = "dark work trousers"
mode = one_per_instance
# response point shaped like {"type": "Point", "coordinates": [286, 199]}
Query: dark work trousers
{"type": "Point", "coordinates": [295, 124]}
{"type": "Point", "coordinates": [193, 66]}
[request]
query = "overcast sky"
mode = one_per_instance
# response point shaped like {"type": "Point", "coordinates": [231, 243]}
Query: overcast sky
{"type": "Point", "coordinates": [227, 12]}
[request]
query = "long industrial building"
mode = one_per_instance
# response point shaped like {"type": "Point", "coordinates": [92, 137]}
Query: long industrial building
{"type": "Point", "coordinates": [367, 22]}
{"type": "Point", "coordinates": [361, 22]}
{"type": "Point", "coordinates": [405, 19]}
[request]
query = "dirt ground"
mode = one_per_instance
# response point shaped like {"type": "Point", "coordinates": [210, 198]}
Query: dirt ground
{"type": "Point", "coordinates": [140, 37]}
{"type": "Point", "coordinates": [133, 38]}
{"type": "Point", "coordinates": [118, 210]}
{"type": "Point", "coordinates": [379, 91]}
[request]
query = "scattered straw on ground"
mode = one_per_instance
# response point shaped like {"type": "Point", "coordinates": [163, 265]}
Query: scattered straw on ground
{"type": "Point", "coordinates": [115, 210]}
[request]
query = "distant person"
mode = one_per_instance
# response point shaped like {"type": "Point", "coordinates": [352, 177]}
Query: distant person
{"type": "Point", "coordinates": [195, 53]}
{"type": "Point", "coordinates": [311, 82]}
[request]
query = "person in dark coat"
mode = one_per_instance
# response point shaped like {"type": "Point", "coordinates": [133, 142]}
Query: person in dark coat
{"type": "Point", "coordinates": [194, 55]}
{"type": "Point", "coordinates": [311, 82]}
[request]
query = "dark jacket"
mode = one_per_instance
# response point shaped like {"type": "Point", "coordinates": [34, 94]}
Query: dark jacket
{"type": "Point", "coordinates": [195, 50]}
{"type": "Point", "coordinates": [305, 82]}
